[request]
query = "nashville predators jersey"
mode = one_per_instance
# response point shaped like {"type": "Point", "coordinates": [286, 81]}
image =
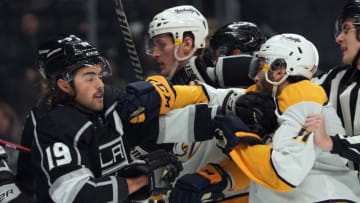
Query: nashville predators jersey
{"type": "Point", "coordinates": [293, 168]}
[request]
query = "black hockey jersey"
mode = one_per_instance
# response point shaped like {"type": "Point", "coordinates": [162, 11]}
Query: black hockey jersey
{"type": "Point", "coordinates": [77, 154]}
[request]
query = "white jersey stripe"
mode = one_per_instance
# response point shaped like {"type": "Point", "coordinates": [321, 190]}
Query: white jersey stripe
{"type": "Point", "coordinates": [39, 148]}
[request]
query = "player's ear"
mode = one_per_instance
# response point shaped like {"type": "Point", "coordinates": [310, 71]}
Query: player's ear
{"type": "Point", "coordinates": [64, 86]}
{"type": "Point", "coordinates": [187, 45]}
{"type": "Point", "coordinates": [279, 73]}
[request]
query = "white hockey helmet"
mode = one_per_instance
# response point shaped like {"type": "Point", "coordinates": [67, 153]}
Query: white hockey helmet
{"type": "Point", "coordinates": [180, 19]}
{"type": "Point", "coordinates": [299, 54]}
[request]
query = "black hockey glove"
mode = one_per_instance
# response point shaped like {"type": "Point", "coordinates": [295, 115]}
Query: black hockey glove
{"type": "Point", "coordinates": [147, 164]}
{"type": "Point", "coordinates": [257, 110]}
{"type": "Point", "coordinates": [146, 100]}
{"type": "Point", "coordinates": [230, 131]}
{"type": "Point", "coordinates": [206, 184]}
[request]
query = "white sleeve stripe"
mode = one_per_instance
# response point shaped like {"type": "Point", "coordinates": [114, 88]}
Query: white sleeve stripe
{"type": "Point", "coordinates": [118, 123]}
{"type": "Point", "coordinates": [354, 150]}
{"type": "Point", "coordinates": [100, 184]}
{"type": "Point", "coordinates": [191, 123]}
{"type": "Point", "coordinates": [115, 188]}
{"type": "Point", "coordinates": [66, 187]}
{"type": "Point", "coordinates": [39, 148]}
{"type": "Point", "coordinates": [103, 183]}
{"type": "Point", "coordinates": [214, 111]}
{"type": "Point", "coordinates": [111, 108]}
{"type": "Point", "coordinates": [5, 167]}
{"type": "Point", "coordinates": [76, 140]}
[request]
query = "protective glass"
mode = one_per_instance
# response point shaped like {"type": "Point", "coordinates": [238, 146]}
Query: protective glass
{"type": "Point", "coordinates": [256, 65]}
{"type": "Point", "coordinates": [260, 63]}
{"type": "Point", "coordinates": [102, 62]}
{"type": "Point", "coordinates": [151, 45]}
{"type": "Point", "coordinates": [339, 28]}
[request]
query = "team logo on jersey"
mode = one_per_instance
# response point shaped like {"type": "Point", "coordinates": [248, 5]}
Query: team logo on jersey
{"type": "Point", "coordinates": [184, 151]}
{"type": "Point", "coordinates": [112, 156]}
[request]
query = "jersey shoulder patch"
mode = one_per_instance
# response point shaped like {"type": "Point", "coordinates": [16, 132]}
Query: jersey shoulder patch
{"type": "Point", "coordinates": [303, 91]}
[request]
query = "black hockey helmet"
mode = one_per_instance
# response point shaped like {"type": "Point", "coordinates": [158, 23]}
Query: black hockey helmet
{"type": "Point", "coordinates": [242, 35]}
{"type": "Point", "coordinates": [350, 10]}
{"type": "Point", "coordinates": [63, 55]}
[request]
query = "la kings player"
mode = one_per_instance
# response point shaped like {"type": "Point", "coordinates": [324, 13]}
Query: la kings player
{"type": "Point", "coordinates": [80, 146]}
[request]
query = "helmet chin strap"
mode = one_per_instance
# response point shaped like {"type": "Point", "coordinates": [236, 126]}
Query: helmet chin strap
{"type": "Point", "coordinates": [178, 60]}
{"type": "Point", "coordinates": [275, 84]}
{"type": "Point", "coordinates": [173, 70]}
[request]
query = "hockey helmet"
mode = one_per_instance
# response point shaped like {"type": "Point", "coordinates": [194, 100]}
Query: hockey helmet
{"type": "Point", "coordinates": [242, 35]}
{"type": "Point", "coordinates": [293, 51]}
{"type": "Point", "coordinates": [178, 20]}
{"type": "Point", "coordinates": [63, 55]}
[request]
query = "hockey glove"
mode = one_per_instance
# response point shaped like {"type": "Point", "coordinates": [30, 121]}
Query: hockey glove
{"type": "Point", "coordinates": [147, 164]}
{"type": "Point", "coordinates": [146, 100]}
{"type": "Point", "coordinates": [257, 110]}
{"type": "Point", "coordinates": [230, 131]}
{"type": "Point", "coordinates": [228, 105]}
{"type": "Point", "coordinates": [204, 185]}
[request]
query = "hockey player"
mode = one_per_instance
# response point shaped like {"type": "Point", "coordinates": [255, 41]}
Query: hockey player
{"type": "Point", "coordinates": [231, 49]}
{"type": "Point", "coordinates": [341, 84]}
{"type": "Point", "coordinates": [236, 38]}
{"type": "Point", "coordinates": [293, 168]}
{"type": "Point", "coordinates": [176, 36]}
{"type": "Point", "coordinates": [82, 151]}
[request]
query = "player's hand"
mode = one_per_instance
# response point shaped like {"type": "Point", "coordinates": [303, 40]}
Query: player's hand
{"type": "Point", "coordinates": [146, 165]}
{"type": "Point", "coordinates": [316, 123]}
{"type": "Point", "coordinates": [146, 100]}
{"type": "Point", "coordinates": [206, 184]}
{"type": "Point", "coordinates": [230, 131]}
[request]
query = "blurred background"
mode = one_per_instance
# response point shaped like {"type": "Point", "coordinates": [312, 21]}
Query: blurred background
{"type": "Point", "coordinates": [26, 23]}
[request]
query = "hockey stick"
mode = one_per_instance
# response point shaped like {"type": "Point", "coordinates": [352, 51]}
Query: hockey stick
{"type": "Point", "coordinates": [14, 146]}
{"type": "Point", "coordinates": [129, 41]}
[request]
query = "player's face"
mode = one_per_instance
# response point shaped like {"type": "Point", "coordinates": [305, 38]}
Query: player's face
{"type": "Point", "coordinates": [259, 79]}
{"type": "Point", "coordinates": [89, 88]}
{"type": "Point", "coordinates": [347, 41]}
{"type": "Point", "coordinates": [163, 52]}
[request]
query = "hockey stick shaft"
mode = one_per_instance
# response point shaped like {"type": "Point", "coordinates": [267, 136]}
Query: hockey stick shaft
{"type": "Point", "coordinates": [14, 146]}
{"type": "Point", "coordinates": [129, 41]}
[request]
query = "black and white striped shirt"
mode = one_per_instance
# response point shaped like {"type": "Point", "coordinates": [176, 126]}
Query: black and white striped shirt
{"type": "Point", "coordinates": [342, 85]}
